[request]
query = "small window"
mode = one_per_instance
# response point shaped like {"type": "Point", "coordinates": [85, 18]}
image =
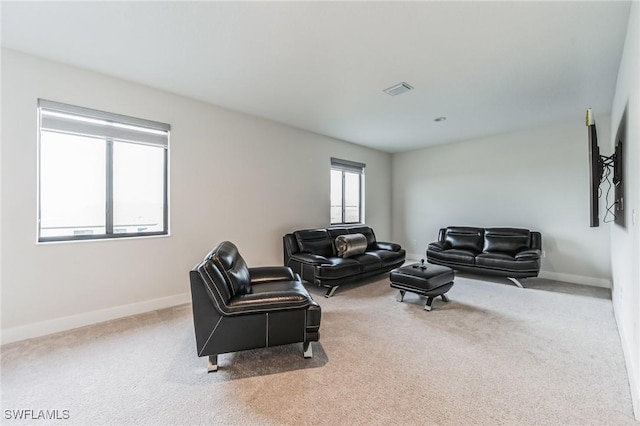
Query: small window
{"type": "Point", "coordinates": [347, 192]}
{"type": "Point", "coordinates": [101, 175]}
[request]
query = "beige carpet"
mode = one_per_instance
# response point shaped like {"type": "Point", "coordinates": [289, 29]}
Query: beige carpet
{"type": "Point", "coordinates": [496, 354]}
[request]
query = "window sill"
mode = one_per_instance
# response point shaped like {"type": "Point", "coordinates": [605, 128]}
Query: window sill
{"type": "Point", "coordinates": [97, 240]}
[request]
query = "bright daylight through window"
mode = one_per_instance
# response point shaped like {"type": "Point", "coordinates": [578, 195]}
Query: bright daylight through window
{"type": "Point", "coordinates": [347, 192]}
{"type": "Point", "coordinates": [101, 175]}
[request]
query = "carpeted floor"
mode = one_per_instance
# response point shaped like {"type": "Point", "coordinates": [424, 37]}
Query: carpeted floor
{"type": "Point", "coordinates": [495, 354]}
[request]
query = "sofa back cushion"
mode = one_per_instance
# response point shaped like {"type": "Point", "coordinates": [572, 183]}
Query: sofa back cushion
{"type": "Point", "coordinates": [464, 238]}
{"type": "Point", "coordinates": [506, 240]}
{"type": "Point", "coordinates": [216, 285]}
{"type": "Point", "coordinates": [367, 232]}
{"type": "Point", "coordinates": [232, 267]}
{"type": "Point", "coordinates": [336, 232]}
{"type": "Point", "coordinates": [316, 241]}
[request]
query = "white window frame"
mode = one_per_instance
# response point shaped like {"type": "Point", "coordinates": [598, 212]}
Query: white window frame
{"type": "Point", "coordinates": [356, 168]}
{"type": "Point", "coordinates": [109, 127]}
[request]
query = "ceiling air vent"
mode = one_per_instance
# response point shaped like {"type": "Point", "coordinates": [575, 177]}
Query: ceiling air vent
{"type": "Point", "coordinates": [396, 89]}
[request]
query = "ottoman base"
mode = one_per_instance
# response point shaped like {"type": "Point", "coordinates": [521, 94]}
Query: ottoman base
{"type": "Point", "coordinates": [427, 306]}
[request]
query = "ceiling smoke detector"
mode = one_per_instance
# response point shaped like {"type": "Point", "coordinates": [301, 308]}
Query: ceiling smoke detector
{"type": "Point", "coordinates": [397, 89]}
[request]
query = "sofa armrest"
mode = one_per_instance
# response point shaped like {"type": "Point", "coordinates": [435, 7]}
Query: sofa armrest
{"type": "Point", "coordinates": [310, 259]}
{"type": "Point", "coordinates": [275, 299]}
{"type": "Point", "coordinates": [528, 255]}
{"type": "Point", "coordinates": [436, 246]}
{"type": "Point", "coordinates": [388, 246]}
{"type": "Point", "coordinates": [265, 274]}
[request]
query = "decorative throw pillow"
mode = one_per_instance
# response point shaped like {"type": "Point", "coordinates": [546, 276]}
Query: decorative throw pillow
{"type": "Point", "coordinates": [351, 244]}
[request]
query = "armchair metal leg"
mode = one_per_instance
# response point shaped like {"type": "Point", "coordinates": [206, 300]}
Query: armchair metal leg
{"type": "Point", "coordinates": [213, 363]}
{"type": "Point", "coordinates": [400, 296]}
{"type": "Point", "coordinates": [331, 291]}
{"type": "Point", "coordinates": [515, 281]}
{"type": "Point", "coordinates": [444, 297]}
{"type": "Point", "coordinates": [308, 350]}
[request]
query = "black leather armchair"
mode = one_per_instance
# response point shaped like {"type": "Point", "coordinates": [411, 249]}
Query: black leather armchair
{"type": "Point", "coordinates": [238, 308]}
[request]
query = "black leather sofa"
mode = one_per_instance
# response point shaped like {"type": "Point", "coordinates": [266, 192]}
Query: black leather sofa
{"type": "Point", "coordinates": [312, 253]}
{"type": "Point", "coordinates": [237, 308]}
{"type": "Point", "coordinates": [510, 252]}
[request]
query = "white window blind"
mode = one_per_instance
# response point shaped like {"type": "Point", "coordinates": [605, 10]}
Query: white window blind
{"type": "Point", "coordinates": [101, 175]}
{"type": "Point", "coordinates": [78, 121]}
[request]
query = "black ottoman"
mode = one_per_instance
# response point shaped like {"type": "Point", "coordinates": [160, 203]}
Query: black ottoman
{"type": "Point", "coordinates": [423, 279]}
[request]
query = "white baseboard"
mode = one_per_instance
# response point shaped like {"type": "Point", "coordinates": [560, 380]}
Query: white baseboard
{"type": "Point", "coordinates": [558, 276]}
{"type": "Point", "coordinates": [633, 380]}
{"type": "Point", "coordinates": [631, 373]}
{"type": "Point", "coordinates": [576, 279]}
{"type": "Point", "coordinates": [80, 320]}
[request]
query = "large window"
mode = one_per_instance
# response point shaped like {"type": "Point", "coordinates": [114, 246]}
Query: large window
{"type": "Point", "coordinates": [101, 175]}
{"type": "Point", "coordinates": [347, 192]}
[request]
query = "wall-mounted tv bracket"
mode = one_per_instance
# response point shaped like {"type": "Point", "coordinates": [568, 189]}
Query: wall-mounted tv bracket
{"type": "Point", "coordinates": [609, 166]}
{"type": "Point", "coordinates": [608, 162]}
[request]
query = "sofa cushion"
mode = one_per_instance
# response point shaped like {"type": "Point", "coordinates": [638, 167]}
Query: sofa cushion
{"type": "Point", "coordinates": [506, 240]}
{"type": "Point", "coordinates": [381, 245]}
{"type": "Point", "coordinates": [316, 241]}
{"type": "Point", "coordinates": [272, 296]}
{"type": "Point", "coordinates": [350, 244]}
{"type": "Point", "coordinates": [367, 261]}
{"type": "Point", "coordinates": [387, 257]}
{"type": "Point", "coordinates": [338, 268]}
{"type": "Point", "coordinates": [505, 262]}
{"type": "Point", "coordinates": [464, 238]}
{"type": "Point", "coordinates": [310, 259]}
{"type": "Point", "coordinates": [464, 257]}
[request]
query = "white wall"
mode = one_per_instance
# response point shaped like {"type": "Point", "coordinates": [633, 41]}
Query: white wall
{"type": "Point", "coordinates": [232, 176]}
{"type": "Point", "coordinates": [625, 241]}
{"type": "Point", "coordinates": [537, 179]}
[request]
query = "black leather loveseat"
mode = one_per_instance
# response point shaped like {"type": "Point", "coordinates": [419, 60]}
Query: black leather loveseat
{"type": "Point", "coordinates": [510, 252]}
{"type": "Point", "coordinates": [313, 254]}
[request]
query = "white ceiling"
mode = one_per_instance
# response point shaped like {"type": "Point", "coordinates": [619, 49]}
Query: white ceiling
{"type": "Point", "coordinates": [489, 67]}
